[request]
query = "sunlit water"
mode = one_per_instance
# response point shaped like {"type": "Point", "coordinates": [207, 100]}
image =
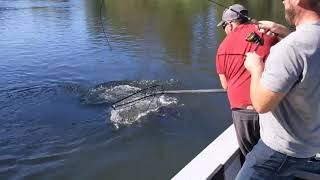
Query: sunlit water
{"type": "Point", "coordinates": [59, 79]}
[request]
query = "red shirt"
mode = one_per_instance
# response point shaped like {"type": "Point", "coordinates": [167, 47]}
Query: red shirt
{"type": "Point", "coordinates": [230, 58]}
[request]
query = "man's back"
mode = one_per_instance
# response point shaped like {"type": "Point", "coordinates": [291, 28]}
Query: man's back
{"type": "Point", "coordinates": [230, 58]}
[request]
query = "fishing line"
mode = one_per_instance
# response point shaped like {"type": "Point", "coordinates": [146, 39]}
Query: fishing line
{"type": "Point", "coordinates": [102, 3]}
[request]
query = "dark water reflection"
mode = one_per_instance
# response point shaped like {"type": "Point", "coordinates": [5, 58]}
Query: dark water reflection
{"type": "Point", "coordinates": [53, 52]}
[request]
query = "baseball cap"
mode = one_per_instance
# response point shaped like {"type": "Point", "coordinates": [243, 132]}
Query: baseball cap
{"type": "Point", "coordinates": [233, 13]}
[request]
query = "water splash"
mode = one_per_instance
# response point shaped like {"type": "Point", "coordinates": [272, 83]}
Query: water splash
{"type": "Point", "coordinates": [110, 92]}
{"type": "Point", "coordinates": [131, 114]}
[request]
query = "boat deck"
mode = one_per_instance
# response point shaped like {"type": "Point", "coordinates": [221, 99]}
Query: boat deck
{"type": "Point", "coordinates": [220, 160]}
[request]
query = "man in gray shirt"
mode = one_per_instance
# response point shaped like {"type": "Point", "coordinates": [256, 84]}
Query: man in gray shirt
{"type": "Point", "coordinates": [286, 93]}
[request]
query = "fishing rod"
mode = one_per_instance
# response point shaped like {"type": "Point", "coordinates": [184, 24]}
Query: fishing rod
{"type": "Point", "coordinates": [252, 37]}
{"type": "Point", "coordinates": [102, 4]}
{"type": "Point", "coordinates": [253, 21]}
{"type": "Point", "coordinates": [239, 13]}
{"type": "Point", "coordinates": [121, 102]}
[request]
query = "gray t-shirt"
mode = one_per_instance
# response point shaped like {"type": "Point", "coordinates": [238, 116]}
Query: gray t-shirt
{"type": "Point", "coordinates": [293, 67]}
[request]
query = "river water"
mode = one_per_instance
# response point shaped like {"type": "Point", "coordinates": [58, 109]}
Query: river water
{"type": "Point", "coordinates": [63, 63]}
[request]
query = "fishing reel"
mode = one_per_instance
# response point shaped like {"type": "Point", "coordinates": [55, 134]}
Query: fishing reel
{"type": "Point", "coordinates": [253, 37]}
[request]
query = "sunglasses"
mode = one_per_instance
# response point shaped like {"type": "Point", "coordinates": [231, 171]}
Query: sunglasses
{"type": "Point", "coordinates": [224, 25]}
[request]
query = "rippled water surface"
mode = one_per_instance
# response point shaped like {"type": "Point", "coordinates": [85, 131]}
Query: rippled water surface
{"type": "Point", "coordinates": [60, 74]}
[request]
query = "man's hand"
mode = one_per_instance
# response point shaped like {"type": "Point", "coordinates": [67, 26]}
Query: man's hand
{"type": "Point", "coordinates": [271, 28]}
{"type": "Point", "coordinates": [253, 63]}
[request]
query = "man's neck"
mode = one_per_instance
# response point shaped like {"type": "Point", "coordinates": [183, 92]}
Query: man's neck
{"type": "Point", "coordinates": [307, 17]}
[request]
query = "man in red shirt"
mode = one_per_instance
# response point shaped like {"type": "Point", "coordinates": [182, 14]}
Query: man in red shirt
{"type": "Point", "coordinates": [233, 75]}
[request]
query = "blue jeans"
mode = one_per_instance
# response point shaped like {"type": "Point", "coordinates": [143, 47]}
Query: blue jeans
{"type": "Point", "coordinates": [265, 163]}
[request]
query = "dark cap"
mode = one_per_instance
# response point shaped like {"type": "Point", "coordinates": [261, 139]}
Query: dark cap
{"type": "Point", "coordinates": [232, 13]}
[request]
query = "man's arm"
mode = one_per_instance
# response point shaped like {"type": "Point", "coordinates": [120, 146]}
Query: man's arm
{"type": "Point", "coordinates": [263, 99]}
{"type": "Point", "coordinates": [223, 81]}
{"type": "Point", "coordinates": [270, 27]}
